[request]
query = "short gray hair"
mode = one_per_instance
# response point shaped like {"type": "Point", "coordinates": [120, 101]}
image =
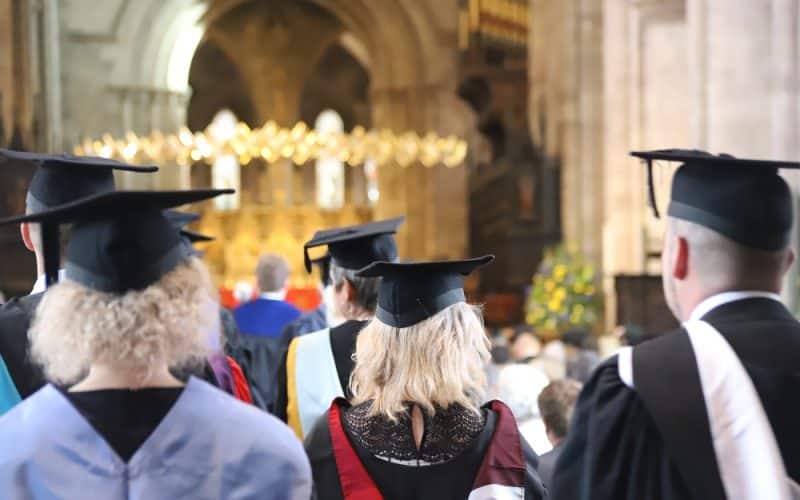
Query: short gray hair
{"type": "Point", "coordinates": [366, 288]}
{"type": "Point", "coordinates": [272, 272]}
{"type": "Point", "coordinates": [721, 261]}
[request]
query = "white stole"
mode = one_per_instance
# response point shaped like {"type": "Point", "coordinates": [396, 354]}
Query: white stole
{"type": "Point", "coordinates": [748, 457]}
{"type": "Point", "coordinates": [316, 377]}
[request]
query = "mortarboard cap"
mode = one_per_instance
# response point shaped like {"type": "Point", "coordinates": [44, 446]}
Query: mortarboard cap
{"type": "Point", "coordinates": [411, 292]}
{"type": "Point", "coordinates": [354, 247]}
{"type": "Point", "coordinates": [62, 178]}
{"type": "Point", "coordinates": [745, 200]}
{"type": "Point", "coordinates": [324, 265]}
{"type": "Point", "coordinates": [120, 240]}
{"type": "Point", "coordinates": [180, 220]}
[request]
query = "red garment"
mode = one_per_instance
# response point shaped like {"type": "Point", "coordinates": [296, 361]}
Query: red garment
{"type": "Point", "coordinates": [503, 464]}
{"type": "Point", "coordinates": [240, 388]}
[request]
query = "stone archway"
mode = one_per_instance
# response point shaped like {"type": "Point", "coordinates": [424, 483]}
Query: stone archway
{"type": "Point", "coordinates": [121, 76]}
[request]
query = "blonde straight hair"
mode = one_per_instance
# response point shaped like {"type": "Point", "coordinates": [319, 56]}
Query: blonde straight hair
{"type": "Point", "coordinates": [436, 363]}
{"type": "Point", "coordinates": [170, 320]}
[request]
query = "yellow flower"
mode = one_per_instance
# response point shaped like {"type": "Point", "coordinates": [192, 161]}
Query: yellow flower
{"type": "Point", "coordinates": [560, 294]}
{"type": "Point", "coordinates": [559, 272]}
{"type": "Point", "coordinates": [554, 305]}
{"type": "Point", "coordinates": [549, 285]}
{"type": "Point", "coordinates": [579, 287]}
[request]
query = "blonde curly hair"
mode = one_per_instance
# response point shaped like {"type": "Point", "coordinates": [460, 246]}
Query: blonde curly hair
{"type": "Point", "coordinates": [436, 363]}
{"type": "Point", "coordinates": [170, 320]}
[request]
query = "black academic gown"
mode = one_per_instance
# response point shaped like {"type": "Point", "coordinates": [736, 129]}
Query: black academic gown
{"type": "Point", "coordinates": [15, 320]}
{"type": "Point", "coordinates": [451, 480]}
{"type": "Point", "coordinates": [343, 345]}
{"type": "Point", "coordinates": [620, 445]}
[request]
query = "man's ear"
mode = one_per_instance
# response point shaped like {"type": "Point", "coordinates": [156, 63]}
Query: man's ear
{"type": "Point", "coordinates": [789, 260]}
{"type": "Point", "coordinates": [25, 232]}
{"type": "Point", "coordinates": [680, 263]}
{"type": "Point", "coordinates": [349, 290]}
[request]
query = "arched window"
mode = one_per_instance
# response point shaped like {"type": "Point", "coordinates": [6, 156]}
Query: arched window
{"type": "Point", "coordinates": [329, 170]}
{"type": "Point", "coordinates": [225, 173]}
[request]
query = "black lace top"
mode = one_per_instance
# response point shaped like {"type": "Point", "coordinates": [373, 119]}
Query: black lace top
{"type": "Point", "coordinates": [448, 433]}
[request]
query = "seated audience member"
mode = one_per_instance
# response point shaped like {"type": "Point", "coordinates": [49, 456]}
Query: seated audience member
{"type": "Point", "coordinates": [525, 347]}
{"type": "Point", "coordinates": [556, 404]}
{"type": "Point", "coordinates": [134, 302]}
{"type": "Point", "coordinates": [416, 428]}
{"type": "Point", "coordinates": [518, 386]}
{"type": "Point", "coordinates": [268, 313]}
{"type": "Point", "coordinates": [581, 361]}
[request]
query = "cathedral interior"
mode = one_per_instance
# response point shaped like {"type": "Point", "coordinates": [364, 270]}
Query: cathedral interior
{"type": "Point", "coordinates": [548, 97]}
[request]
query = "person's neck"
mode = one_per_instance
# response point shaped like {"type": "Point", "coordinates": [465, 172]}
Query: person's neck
{"type": "Point", "coordinates": [274, 295]}
{"type": "Point", "coordinates": [108, 376]}
{"type": "Point", "coordinates": [360, 316]}
{"type": "Point", "coordinates": [693, 300]}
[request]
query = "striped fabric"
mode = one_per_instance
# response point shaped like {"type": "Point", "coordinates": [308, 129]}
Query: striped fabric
{"type": "Point", "coordinates": [312, 380]}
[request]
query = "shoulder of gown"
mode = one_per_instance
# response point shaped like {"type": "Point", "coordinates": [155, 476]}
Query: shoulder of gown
{"type": "Point", "coordinates": [319, 449]}
{"type": "Point", "coordinates": [614, 449]}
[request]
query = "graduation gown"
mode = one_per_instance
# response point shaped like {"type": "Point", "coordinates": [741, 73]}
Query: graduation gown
{"type": "Point", "coordinates": [15, 320]}
{"type": "Point", "coordinates": [497, 465]}
{"type": "Point", "coordinates": [208, 446]}
{"type": "Point", "coordinates": [621, 446]}
{"type": "Point", "coordinates": [342, 346]}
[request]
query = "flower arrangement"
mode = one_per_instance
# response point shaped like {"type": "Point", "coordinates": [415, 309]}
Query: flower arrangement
{"type": "Point", "coordinates": [564, 293]}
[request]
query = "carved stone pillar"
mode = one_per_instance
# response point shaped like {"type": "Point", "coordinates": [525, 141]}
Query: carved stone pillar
{"type": "Point", "coordinates": [434, 199]}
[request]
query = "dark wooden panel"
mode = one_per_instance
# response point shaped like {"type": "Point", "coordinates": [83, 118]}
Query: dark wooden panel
{"type": "Point", "coordinates": [640, 301]}
{"type": "Point", "coordinates": [17, 265]}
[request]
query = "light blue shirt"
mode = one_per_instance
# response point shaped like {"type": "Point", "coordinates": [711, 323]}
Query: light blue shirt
{"type": "Point", "coordinates": [208, 447]}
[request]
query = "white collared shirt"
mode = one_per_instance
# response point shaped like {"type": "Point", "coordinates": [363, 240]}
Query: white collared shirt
{"type": "Point", "coordinates": [40, 285]}
{"type": "Point", "coordinates": [279, 295]}
{"type": "Point", "coordinates": [719, 299]}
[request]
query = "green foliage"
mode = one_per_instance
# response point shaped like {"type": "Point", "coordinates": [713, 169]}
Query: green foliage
{"type": "Point", "coordinates": [564, 293]}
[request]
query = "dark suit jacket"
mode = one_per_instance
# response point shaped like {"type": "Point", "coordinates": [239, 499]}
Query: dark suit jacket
{"type": "Point", "coordinates": [547, 464]}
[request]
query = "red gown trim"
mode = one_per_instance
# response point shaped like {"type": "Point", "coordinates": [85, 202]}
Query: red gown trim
{"type": "Point", "coordinates": [240, 387]}
{"type": "Point", "coordinates": [356, 483]}
{"type": "Point", "coordinates": [503, 463]}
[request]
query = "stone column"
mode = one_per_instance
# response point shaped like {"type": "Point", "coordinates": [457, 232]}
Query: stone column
{"type": "Point", "coordinates": [433, 199]}
{"type": "Point", "coordinates": [745, 82]}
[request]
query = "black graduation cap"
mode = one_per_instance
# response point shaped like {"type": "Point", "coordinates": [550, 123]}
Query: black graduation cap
{"type": "Point", "coordinates": [120, 240]}
{"type": "Point", "coordinates": [180, 220]}
{"type": "Point", "coordinates": [324, 265]}
{"type": "Point", "coordinates": [411, 292]}
{"type": "Point", "coordinates": [354, 247]}
{"type": "Point", "coordinates": [743, 199]}
{"type": "Point", "coordinates": [62, 178]}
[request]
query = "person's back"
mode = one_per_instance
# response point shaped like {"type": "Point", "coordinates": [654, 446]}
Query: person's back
{"type": "Point", "coordinates": [709, 410]}
{"type": "Point", "coordinates": [415, 428]}
{"type": "Point", "coordinates": [116, 423]}
{"type": "Point", "coordinates": [209, 446]}
{"type": "Point", "coordinates": [269, 313]}
{"type": "Point", "coordinates": [556, 403]}
{"type": "Point", "coordinates": [265, 317]}
{"type": "Point", "coordinates": [766, 337]}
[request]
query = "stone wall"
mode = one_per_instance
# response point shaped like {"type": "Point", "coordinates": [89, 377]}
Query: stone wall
{"type": "Point", "coordinates": [618, 75]}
